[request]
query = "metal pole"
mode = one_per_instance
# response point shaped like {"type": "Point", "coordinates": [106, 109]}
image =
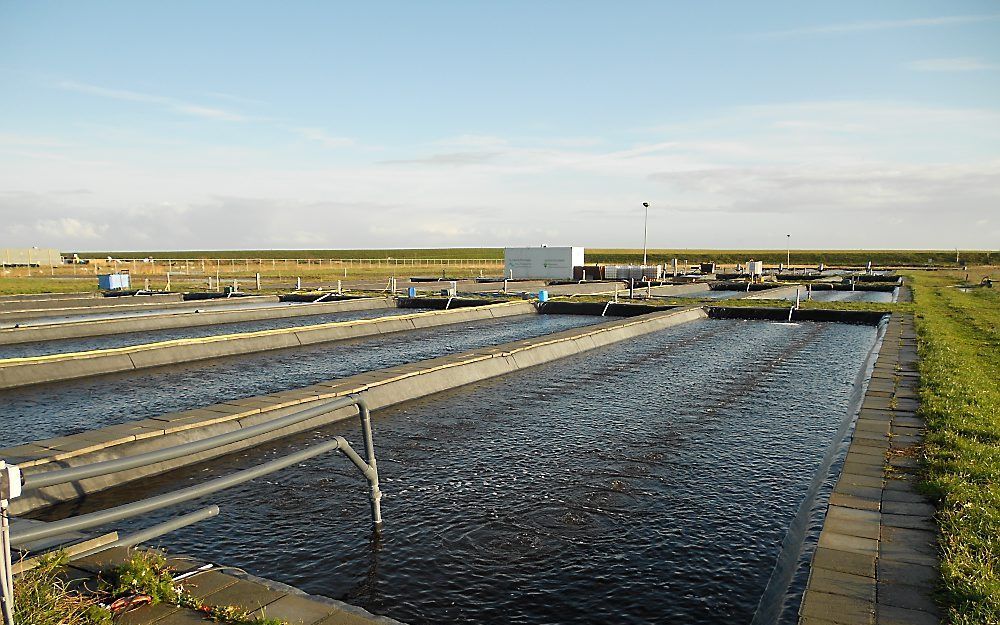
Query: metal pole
{"type": "Point", "coordinates": [126, 511]}
{"type": "Point", "coordinates": [788, 251]}
{"type": "Point", "coordinates": [645, 222]}
{"type": "Point", "coordinates": [34, 481]}
{"type": "Point", "coordinates": [366, 431]}
{"type": "Point", "coordinates": [154, 532]}
{"type": "Point", "coordinates": [6, 565]}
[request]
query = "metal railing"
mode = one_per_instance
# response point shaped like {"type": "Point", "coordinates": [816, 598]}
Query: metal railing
{"type": "Point", "coordinates": [13, 484]}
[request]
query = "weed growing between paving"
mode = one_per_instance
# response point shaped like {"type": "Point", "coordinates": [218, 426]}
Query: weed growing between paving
{"type": "Point", "coordinates": [147, 573]}
{"type": "Point", "coordinates": [958, 338]}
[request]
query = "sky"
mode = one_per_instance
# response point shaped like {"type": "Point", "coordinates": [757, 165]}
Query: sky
{"type": "Point", "coordinates": [281, 125]}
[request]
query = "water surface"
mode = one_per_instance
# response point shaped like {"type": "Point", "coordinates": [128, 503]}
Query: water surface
{"type": "Point", "coordinates": [649, 481]}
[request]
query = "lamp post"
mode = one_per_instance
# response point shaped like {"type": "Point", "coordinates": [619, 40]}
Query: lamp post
{"type": "Point", "coordinates": [645, 222]}
{"type": "Point", "coordinates": [788, 251]}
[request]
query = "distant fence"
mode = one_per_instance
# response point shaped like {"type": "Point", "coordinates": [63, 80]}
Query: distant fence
{"type": "Point", "coordinates": [240, 266]}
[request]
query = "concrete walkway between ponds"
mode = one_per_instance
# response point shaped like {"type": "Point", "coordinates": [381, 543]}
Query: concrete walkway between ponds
{"type": "Point", "coordinates": [877, 561]}
{"type": "Point", "coordinates": [16, 372]}
{"type": "Point", "coordinates": [221, 586]}
{"type": "Point", "coordinates": [380, 388]}
{"type": "Point", "coordinates": [128, 303]}
{"type": "Point", "coordinates": [187, 318]}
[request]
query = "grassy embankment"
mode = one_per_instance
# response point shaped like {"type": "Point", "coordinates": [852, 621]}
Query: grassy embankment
{"type": "Point", "coordinates": [959, 347]}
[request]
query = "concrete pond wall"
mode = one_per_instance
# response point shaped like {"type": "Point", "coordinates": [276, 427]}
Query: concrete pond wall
{"type": "Point", "coordinates": [181, 319]}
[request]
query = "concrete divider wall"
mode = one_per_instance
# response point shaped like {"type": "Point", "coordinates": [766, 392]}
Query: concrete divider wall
{"type": "Point", "coordinates": [780, 292]}
{"type": "Point", "coordinates": [172, 301]}
{"type": "Point", "coordinates": [379, 388]}
{"type": "Point", "coordinates": [29, 297]}
{"type": "Point", "coordinates": [16, 372]}
{"type": "Point", "coordinates": [86, 302]}
{"type": "Point", "coordinates": [181, 319]}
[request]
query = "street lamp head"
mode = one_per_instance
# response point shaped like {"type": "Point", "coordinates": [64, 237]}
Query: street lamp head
{"type": "Point", "coordinates": [646, 204]}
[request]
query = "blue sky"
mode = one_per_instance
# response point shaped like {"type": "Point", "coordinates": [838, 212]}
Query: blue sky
{"type": "Point", "coordinates": [131, 125]}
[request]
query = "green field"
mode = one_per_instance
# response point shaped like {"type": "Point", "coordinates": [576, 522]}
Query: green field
{"type": "Point", "coordinates": [959, 346]}
{"type": "Point", "coordinates": [494, 253]}
{"type": "Point", "coordinates": [598, 255]}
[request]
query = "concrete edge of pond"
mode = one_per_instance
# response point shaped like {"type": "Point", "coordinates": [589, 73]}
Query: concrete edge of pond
{"type": "Point", "coordinates": [16, 372]}
{"type": "Point", "coordinates": [380, 388]}
{"type": "Point", "coordinates": [876, 560]}
{"type": "Point", "coordinates": [182, 319]}
{"type": "Point", "coordinates": [172, 301]}
{"type": "Point", "coordinates": [34, 297]}
{"type": "Point", "coordinates": [96, 301]}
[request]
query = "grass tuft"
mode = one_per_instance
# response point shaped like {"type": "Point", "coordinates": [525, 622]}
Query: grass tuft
{"type": "Point", "coordinates": [43, 597]}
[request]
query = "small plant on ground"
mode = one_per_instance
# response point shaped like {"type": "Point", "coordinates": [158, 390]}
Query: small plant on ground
{"type": "Point", "coordinates": [147, 573]}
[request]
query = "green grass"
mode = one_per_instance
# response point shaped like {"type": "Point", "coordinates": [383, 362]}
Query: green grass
{"type": "Point", "coordinates": [33, 285]}
{"type": "Point", "coordinates": [605, 255]}
{"type": "Point", "coordinates": [449, 252]}
{"type": "Point", "coordinates": [798, 257]}
{"type": "Point", "coordinates": [42, 597]}
{"type": "Point", "coordinates": [958, 337]}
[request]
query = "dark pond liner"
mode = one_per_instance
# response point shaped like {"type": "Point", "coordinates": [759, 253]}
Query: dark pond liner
{"type": "Point", "coordinates": [599, 308]}
{"type": "Point", "coordinates": [860, 317]}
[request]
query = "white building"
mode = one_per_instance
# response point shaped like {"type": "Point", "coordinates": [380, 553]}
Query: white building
{"type": "Point", "coordinates": [541, 263]}
{"type": "Point", "coordinates": [29, 256]}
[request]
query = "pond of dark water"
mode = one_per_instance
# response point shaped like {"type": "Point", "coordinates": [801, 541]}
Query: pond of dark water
{"type": "Point", "coordinates": [651, 481]}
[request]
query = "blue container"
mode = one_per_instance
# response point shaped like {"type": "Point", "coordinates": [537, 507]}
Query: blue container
{"type": "Point", "coordinates": [113, 281]}
{"type": "Point", "coordinates": [411, 292]}
{"type": "Point", "coordinates": [543, 296]}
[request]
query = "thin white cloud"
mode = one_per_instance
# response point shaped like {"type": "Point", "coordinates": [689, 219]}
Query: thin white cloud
{"type": "Point", "coordinates": [178, 106]}
{"type": "Point", "coordinates": [956, 64]}
{"type": "Point", "coordinates": [875, 25]}
{"type": "Point", "coordinates": [320, 135]}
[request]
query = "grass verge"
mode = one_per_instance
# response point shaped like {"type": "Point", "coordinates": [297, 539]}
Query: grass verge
{"type": "Point", "coordinates": [958, 335]}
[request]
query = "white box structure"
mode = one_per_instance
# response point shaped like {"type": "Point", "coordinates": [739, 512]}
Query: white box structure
{"type": "Point", "coordinates": [544, 263]}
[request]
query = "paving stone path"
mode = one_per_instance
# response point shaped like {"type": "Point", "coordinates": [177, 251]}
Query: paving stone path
{"type": "Point", "coordinates": [876, 561]}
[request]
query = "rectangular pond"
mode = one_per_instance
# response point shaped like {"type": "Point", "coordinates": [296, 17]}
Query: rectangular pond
{"type": "Point", "coordinates": [109, 341]}
{"type": "Point", "coordinates": [674, 478]}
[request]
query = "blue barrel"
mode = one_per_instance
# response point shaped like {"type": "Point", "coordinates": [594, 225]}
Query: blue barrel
{"type": "Point", "coordinates": [412, 291]}
{"type": "Point", "coordinates": [543, 296]}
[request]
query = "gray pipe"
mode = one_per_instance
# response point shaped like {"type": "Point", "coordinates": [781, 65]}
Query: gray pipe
{"type": "Point", "coordinates": [73, 474]}
{"type": "Point", "coordinates": [371, 468]}
{"type": "Point", "coordinates": [154, 532]}
{"type": "Point", "coordinates": [102, 517]}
